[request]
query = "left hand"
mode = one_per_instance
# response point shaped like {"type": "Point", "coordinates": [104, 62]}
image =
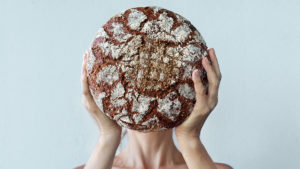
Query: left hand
{"type": "Point", "coordinates": [107, 127]}
{"type": "Point", "coordinates": [205, 103]}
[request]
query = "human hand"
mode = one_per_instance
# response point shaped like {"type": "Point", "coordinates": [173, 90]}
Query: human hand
{"type": "Point", "coordinates": [205, 103]}
{"type": "Point", "coordinates": [106, 126]}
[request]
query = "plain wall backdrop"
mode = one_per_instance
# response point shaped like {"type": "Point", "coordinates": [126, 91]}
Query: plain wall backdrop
{"type": "Point", "coordinates": [256, 124]}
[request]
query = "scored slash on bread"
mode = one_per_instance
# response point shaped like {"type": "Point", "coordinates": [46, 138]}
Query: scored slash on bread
{"type": "Point", "coordinates": [140, 68]}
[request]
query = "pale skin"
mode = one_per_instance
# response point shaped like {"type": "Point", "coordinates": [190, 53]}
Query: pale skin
{"type": "Point", "coordinates": [156, 150]}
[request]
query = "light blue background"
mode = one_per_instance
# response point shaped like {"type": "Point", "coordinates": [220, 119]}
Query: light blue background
{"type": "Point", "coordinates": [256, 124]}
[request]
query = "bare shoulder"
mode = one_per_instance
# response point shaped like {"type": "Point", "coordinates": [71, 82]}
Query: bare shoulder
{"type": "Point", "coordinates": [219, 166]}
{"type": "Point", "coordinates": [117, 164]}
{"type": "Point", "coordinates": [79, 167]}
{"type": "Point", "coordinates": [223, 166]}
{"type": "Point", "coordinates": [82, 167]}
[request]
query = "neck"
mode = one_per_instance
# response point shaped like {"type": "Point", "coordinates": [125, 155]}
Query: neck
{"type": "Point", "coordinates": [151, 150]}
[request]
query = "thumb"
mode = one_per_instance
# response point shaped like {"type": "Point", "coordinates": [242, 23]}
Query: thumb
{"type": "Point", "coordinates": [199, 88]}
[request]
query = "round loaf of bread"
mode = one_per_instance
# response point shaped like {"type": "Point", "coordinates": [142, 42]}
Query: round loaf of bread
{"type": "Point", "coordinates": [140, 68]}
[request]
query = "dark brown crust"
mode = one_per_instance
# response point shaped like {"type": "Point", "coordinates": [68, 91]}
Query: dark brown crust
{"type": "Point", "coordinates": [102, 60]}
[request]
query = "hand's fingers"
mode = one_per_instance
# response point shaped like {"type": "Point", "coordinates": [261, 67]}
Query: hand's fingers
{"type": "Point", "coordinates": [83, 67]}
{"type": "Point", "coordinates": [84, 82]}
{"type": "Point", "coordinates": [212, 78]}
{"type": "Point", "coordinates": [215, 63]}
{"type": "Point", "coordinates": [199, 88]}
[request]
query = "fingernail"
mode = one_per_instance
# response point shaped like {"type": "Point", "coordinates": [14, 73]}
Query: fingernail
{"type": "Point", "coordinates": [198, 72]}
{"type": "Point", "coordinates": [195, 71]}
{"type": "Point", "coordinates": [194, 74]}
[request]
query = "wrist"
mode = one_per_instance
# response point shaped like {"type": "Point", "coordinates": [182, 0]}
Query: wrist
{"type": "Point", "coordinates": [106, 146]}
{"type": "Point", "coordinates": [188, 143]}
{"type": "Point", "coordinates": [110, 132]}
{"type": "Point", "coordinates": [187, 138]}
{"type": "Point", "coordinates": [112, 138]}
{"type": "Point", "coordinates": [182, 133]}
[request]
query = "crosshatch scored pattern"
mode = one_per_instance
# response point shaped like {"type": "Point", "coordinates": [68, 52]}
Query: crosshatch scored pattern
{"type": "Point", "coordinates": [140, 68]}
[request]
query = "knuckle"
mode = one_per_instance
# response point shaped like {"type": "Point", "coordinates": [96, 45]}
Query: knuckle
{"type": "Point", "coordinates": [201, 91]}
{"type": "Point", "coordinates": [216, 102]}
{"type": "Point", "coordinates": [211, 107]}
{"type": "Point", "coordinates": [212, 104]}
{"type": "Point", "coordinates": [214, 84]}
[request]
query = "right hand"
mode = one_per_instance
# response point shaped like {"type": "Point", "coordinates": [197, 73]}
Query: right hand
{"type": "Point", "coordinates": [106, 126]}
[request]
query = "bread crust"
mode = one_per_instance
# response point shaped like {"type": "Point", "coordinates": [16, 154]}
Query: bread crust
{"type": "Point", "coordinates": [140, 65]}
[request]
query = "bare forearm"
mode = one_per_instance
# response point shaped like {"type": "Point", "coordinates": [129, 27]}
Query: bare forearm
{"type": "Point", "coordinates": [103, 155]}
{"type": "Point", "coordinates": [195, 154]}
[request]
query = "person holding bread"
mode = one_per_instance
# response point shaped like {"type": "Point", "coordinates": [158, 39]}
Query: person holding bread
{"type": "Point", "coordinates": [149, 72]}
{"type": "Point", "coordinates": [157, 149]}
